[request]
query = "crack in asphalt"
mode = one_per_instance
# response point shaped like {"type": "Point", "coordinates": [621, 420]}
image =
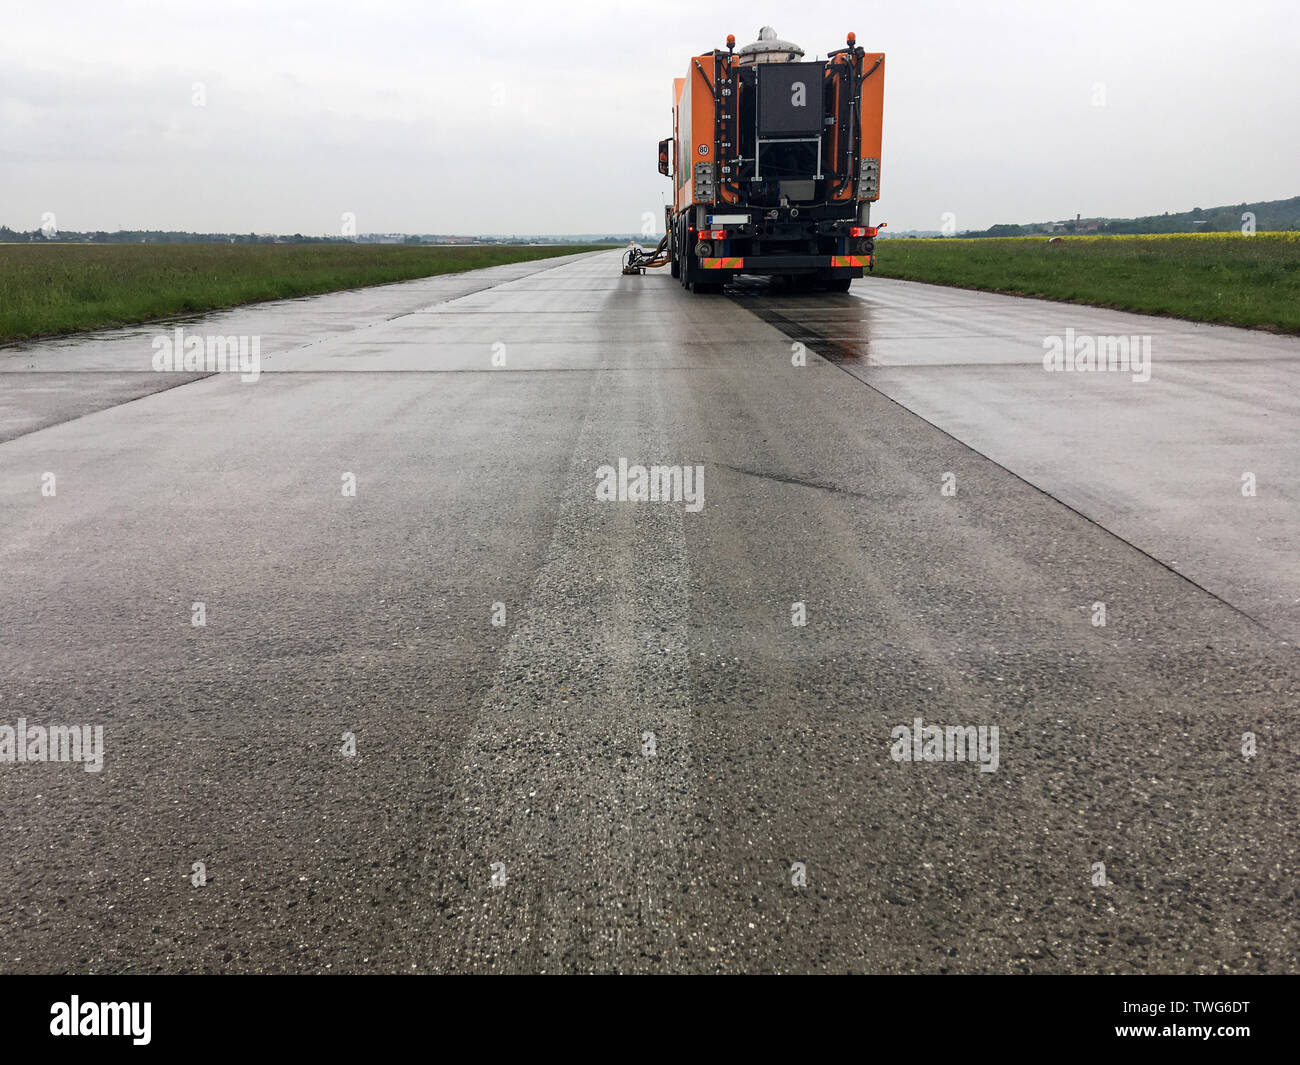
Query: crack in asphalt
{"type": "Point", "coordinates": [797, 481]}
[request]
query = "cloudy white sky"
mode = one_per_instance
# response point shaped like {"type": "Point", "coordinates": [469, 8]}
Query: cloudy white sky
{"type": "Point", "coordinates": [535, 117]}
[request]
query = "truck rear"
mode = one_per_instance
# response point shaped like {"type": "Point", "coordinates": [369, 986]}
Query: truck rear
{"type": "Point", "coordinates": [775, 162]}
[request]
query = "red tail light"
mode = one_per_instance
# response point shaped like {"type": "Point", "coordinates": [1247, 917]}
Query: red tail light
{"type": "Point", "coordinates": [858, 231]}
{"type": "Point", "coordinates": [713, 234]}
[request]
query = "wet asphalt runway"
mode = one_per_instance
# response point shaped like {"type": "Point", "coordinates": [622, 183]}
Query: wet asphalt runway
{"type": "Point", "coordinates": [646, 766]}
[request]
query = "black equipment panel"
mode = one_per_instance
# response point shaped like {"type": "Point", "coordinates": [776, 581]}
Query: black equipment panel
{"type": "Point", "coordinates": [790, 99]}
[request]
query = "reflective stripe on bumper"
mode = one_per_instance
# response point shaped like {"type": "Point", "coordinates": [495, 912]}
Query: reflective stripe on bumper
{"type": "Point", "coordinates": [731, 263]}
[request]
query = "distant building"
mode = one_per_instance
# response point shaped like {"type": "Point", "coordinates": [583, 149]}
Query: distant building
{"type": "Point", "coordinates": [1079, 224]}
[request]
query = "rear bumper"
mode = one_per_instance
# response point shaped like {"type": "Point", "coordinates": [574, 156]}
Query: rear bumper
{"type": "Point", "coordinates": [830, 266]}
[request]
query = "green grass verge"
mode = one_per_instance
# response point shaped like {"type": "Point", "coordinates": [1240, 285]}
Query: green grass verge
{"type": "Point", "coordinates": [1226, 278]}
{"type": "Point", "coordinates": [47, 289]}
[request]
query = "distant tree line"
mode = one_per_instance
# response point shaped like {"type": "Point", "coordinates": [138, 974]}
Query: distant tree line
{"type": "Point", "coordinates": [1270, 216]}
{"type": "Point", "coordinates": [158, 236]}
{"type": "Point", "coordinates": [168, 236]}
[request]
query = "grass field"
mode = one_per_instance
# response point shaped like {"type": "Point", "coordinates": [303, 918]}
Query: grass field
{"type": "Point", "coordinates": [47, 289]}
{"type": "Point", "coordinates": [1227, 278]}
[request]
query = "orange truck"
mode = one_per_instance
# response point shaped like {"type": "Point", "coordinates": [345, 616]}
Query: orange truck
{"type": "Point", "coordinates": [775, 163]}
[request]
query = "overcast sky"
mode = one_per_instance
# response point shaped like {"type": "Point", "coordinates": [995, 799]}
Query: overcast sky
{"type": "Point", "coordinates": [543, 117]}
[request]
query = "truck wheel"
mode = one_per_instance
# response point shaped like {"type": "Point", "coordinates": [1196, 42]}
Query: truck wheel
{"type": "Point", "coordinates": [839, 284]}
{"type": "Point", "coordinates": [675, 268]}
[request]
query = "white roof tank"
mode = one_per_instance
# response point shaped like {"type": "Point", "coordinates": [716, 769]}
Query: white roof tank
{"type": "Point", "coordinates": [769, 48]}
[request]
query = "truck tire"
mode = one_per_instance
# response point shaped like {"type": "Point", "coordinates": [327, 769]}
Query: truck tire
{"type": "Point", "coordinates": [675, 267]}
{"type": "Point", "coordinates": [839, 284]}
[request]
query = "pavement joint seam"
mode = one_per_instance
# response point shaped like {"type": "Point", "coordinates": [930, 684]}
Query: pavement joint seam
{"type": "Point", "coordinates": [818, 344]}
